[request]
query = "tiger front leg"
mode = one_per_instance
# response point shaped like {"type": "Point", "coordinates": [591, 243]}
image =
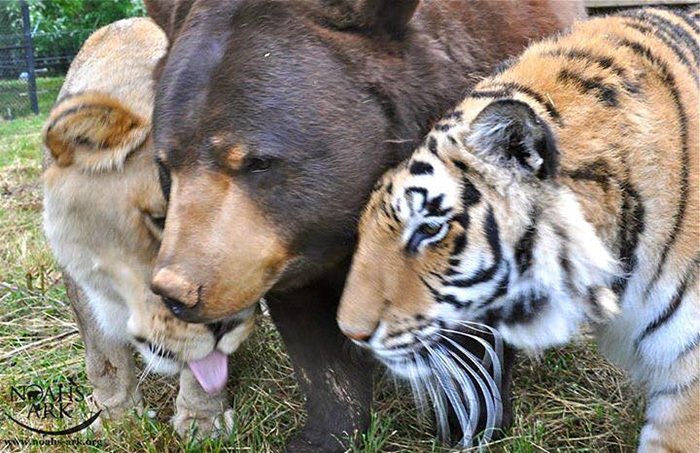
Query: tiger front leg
{"type": "Point", "coordinates": [672, 420]}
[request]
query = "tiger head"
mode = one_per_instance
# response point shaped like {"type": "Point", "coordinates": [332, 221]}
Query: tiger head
{"type": "Point", "coordinates": [475, 232]}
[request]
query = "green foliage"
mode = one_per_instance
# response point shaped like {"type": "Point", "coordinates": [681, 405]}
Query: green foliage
{"type": "Point", "coordinates": [60, 26]}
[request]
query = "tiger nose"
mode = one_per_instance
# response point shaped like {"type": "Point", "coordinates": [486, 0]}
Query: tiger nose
{"type": "Point", "coordinates": [363, 335]}
{"type": "Point", "coordinates": [179, 294]}
{"type": "Point", "coordinates": [360, 336]}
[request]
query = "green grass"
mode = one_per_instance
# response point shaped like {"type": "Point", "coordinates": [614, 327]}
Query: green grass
{"type": "Point", "coordinates": [570, 400]}
{"type": "Point", "coordinates": [14, 96]}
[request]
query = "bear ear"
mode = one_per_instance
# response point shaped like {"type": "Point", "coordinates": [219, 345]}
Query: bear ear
{"type": "Point", "coordinates": [93, 131]}
{"type": "Point", "coordinates": [383, 17]}
{"type": "Point", "coordinates": [510, 134]}
{"type": "Point", "coordinates": [169, 15]}
{"type": "Point", "coordinates": [388, 16]}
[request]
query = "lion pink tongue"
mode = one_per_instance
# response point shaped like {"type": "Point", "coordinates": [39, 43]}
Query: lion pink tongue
{"type": "Point", "coordinates": [211, 371]}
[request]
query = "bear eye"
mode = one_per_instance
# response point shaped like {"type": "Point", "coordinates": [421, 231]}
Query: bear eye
{"type": "Point", "coordinates": [163, 178]}
{"type": "Point", "coordinates": [259, 165]}
{"type": "Point", "coordinates": [158, 221]}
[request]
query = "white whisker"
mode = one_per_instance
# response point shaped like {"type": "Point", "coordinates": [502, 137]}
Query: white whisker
{"type": "Point", "coordinates": [438, 398]}
{"type": "Point", "coordinates": [495, 360]}
{"type": "Point", "coordinates": [497, 338]}
{"type": "Point", "coordinates": [415, 383]}
{"type": "Point", "coordinates": [467, 387]}
{"type": "Point", "coordinates": [476, 326]}
{"type": "Point", "coordinates": [446, 381]}
{"type": "Point", "coordinates": [146, 371]}
{"type": "Point", "coordinates": [492, 397]}
{"type": "Point", "coordinates": [153, 362]}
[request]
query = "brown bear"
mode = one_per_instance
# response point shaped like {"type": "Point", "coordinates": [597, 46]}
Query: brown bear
{"type": "Point", "coordinates": [273, 120]}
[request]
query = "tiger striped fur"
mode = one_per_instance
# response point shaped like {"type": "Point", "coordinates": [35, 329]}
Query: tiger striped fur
{"type": "Point", "coordinates": [561, 193]}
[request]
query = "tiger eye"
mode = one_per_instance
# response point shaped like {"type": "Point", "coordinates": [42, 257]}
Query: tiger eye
{"type": "Point", "coordinates": [429, 229]}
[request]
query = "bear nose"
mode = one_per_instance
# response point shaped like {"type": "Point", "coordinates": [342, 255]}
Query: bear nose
{"type": "Point", "coordinates": [176, 307]}
{"type": "Point", "coordinates": [183, 312]}
{"type": "Point", "coordinates": [178, 294]}
{"type": "Point", "coordinates": [175, 285]}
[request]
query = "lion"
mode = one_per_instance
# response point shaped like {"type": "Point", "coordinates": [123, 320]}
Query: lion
{"type": "Point", "coordinates": [104, 213]}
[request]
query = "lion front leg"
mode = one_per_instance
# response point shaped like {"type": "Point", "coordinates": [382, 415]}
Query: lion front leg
{"type": "Point", "coordinates": [199, 414]}
{"type": "Point", "coordinates": [109, 364]}
{"type": "Point", "coordinates": [112, 376]}
{"type": "Point", "coordinates": [672, 421]}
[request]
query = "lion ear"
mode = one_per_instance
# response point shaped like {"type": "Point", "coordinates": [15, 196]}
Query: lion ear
{"type": "Point", "coordinates": [93, 131]}
{"type": "Point", "coordinates": [169, 15]}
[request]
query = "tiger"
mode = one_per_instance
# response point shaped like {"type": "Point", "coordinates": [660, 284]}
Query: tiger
{"type": "Point", "coordinates": [560, 196]}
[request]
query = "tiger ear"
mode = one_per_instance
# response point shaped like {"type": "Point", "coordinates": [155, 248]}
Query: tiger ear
{"type": "Point", "coordinates": [509, 133]}
{"type": "Point", "coordinates": [382, 17]}
{"type": "Point", "coordinates": [94, 131]}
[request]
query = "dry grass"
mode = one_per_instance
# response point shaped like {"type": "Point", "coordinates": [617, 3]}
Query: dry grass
{"type": "Point", "coordinates": [570, 400]}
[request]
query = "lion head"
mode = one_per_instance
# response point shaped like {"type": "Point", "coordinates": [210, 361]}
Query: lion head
{"type": "Point", "coordinates": [104, 209]}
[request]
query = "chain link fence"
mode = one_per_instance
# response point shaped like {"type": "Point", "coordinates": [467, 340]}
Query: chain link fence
{"type": "Point", "coordinates": [32, 67]}
{"type": "Point", "coordinates": [33, 62]}
{"type": "Point", "coordinates": [18, 95]}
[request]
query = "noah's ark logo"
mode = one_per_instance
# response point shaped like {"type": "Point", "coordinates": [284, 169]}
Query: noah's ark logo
{"type": "Point", "coordinates": [53, 409]}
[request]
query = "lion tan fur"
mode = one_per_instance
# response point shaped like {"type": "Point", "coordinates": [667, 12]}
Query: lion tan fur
{"type": "Point", "coordinates": [102, 211]}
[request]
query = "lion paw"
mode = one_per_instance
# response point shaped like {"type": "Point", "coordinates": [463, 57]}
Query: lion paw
{"type": "Point", "coordinates": [116, 405]}
{"type": "Point", "coordinates": [114, 409]}
{"type": "Point", "coordinates": [199, 425]}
